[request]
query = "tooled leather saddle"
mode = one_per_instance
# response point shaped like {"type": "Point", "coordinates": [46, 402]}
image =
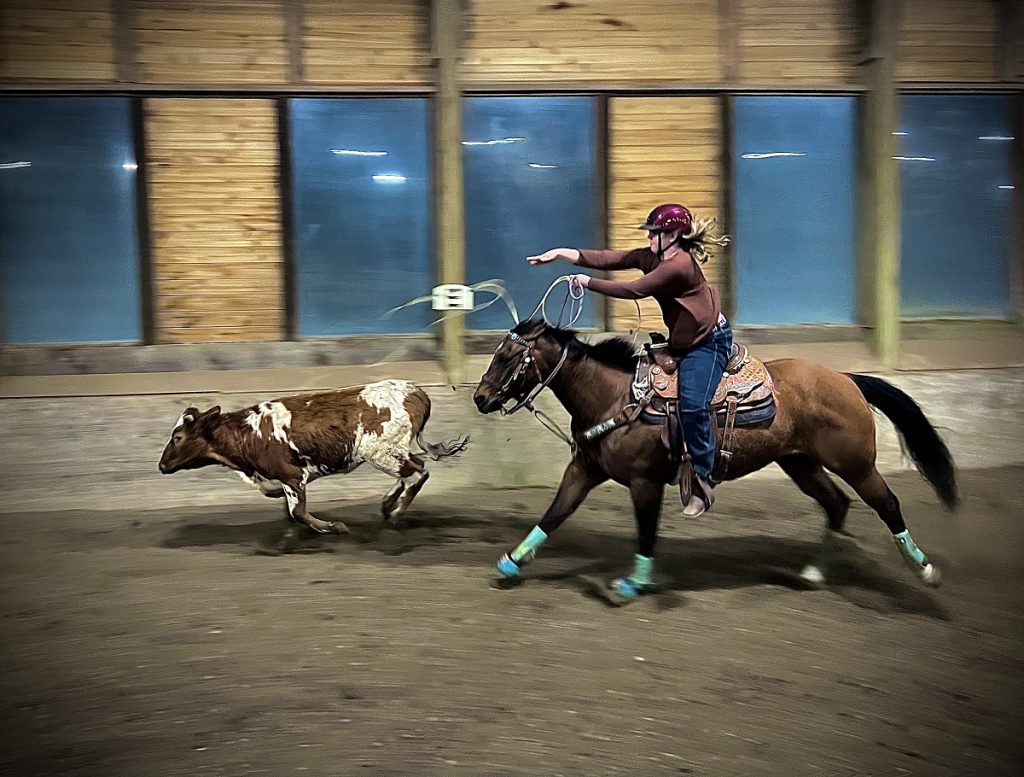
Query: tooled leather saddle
{"type": "Point", "coordinates": [745, 396]}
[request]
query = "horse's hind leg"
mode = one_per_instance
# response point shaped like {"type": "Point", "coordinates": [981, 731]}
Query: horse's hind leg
{"type": "Point", "coordinates": [647, 497]}
{"type": "Point", "coordinates": [812, 479]}
{"type": "Point", "coordinates": [873, 489]}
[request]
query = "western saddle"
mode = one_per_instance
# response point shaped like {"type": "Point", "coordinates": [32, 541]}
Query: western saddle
{"type": "Point", "coordinates": [745, 396]}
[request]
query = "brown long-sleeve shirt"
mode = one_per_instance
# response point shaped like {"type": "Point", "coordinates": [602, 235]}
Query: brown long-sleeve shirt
{"type": "Point", "coordinates": [690, 306]}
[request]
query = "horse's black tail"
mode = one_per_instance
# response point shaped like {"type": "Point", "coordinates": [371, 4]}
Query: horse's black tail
{"type": "Point", "coordinates": [443, 449]}
{"type": "Point", "coordinates": [917, 435]}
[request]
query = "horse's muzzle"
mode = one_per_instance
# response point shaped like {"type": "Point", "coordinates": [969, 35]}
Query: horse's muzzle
{"type": "Point", "coordinates": [484, 403]}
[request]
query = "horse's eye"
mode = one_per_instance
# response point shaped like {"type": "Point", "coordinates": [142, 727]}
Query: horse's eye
{"type": "Point", "coordinates": [177, 439]}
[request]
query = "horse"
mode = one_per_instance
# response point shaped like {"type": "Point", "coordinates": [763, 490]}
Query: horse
{"type": "Point", "coordinates": [823, 423]}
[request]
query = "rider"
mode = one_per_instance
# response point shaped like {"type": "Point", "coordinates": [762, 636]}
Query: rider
{"type": "Point", "coordinates": [699, 335]}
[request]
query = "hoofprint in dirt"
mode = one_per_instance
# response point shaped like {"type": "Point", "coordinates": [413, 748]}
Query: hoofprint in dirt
{"type": "Point", "coordinates": [156, 642]}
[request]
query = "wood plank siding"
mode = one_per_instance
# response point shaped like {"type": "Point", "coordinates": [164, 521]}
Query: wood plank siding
{"type": "Point", "coordinates": [210, 41]}
{"type": "Point", "coordinates": [366, 43]}
{"type": "Point", "coordinates": [57, 40]}
{"type": "Point", "coordinates": [949, 40]}
{"type": "Point", "coordinates": [583, 42]}
{"type": "Point", "coordinates": [662, 149]}
{"type": "Point", "coordinates": [810, 42]}
{"type": "Point", "coordinates": [215, 219]}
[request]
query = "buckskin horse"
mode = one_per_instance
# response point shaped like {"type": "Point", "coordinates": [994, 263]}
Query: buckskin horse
{"type": "Point", "coordinates": [822, 421]}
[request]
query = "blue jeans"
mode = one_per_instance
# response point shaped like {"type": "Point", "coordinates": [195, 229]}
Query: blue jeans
{"type": "Point", "coordinates": [700, 370]}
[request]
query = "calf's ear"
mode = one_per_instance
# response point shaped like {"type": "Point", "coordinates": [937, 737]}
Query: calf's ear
{"type": "Point", "coordinates": [210, 414]}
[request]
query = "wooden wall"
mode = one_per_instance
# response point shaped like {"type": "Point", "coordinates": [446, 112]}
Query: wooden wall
{"type": "Point", "coordinates": [662, 149]}
{"type": "Point", "coordinates": [366, 42]}
{"type": "Point", "coordinates": [810, 42]}
{"type": "Point", "coordinates": [949, 40]}
{"type": "Point", "coordinates": [215, 219]}
{"type": "Point", "coordinates": [223, 41]}
{"type": "Point", "coordinates": [596, 41]}
{"type": "Point", "coordinates": [214, 167]}
{"type": "Point", "coordinates": [57, 40]}
{"type": "Point", "coordinates": [385, 43]}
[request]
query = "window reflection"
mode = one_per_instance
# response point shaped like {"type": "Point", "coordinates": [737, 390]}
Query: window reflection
{"type": "Point", "coordinates": [530, 184]}
{"type": "Point", "coordinates": [957, 209]}
{"type": "Point", "coordinates": [69, 264]}
{"type": "Point", "coordinates": [794, 210]}
{"type": "Point", "coordinates": [361, 214]}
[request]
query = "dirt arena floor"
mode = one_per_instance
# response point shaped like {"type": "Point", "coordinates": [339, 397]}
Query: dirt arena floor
{"type": "Point", "coordinates": [157, 642]}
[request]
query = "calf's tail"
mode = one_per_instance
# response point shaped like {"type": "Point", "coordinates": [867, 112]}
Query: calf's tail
{"type": "Point", "coordinates": [436, 451]}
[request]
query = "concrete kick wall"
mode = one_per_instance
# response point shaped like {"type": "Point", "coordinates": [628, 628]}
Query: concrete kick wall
{"type": "Point", "coordinates": [101, 452]}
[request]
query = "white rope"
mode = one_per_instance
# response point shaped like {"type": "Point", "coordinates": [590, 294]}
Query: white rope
{"type": "Point", "coordinates": [494, 286]}
{"type": "Point", "coordinates": [573, 296]}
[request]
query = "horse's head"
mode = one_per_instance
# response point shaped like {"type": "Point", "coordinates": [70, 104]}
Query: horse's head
{"type": "Point", "coordinates": [525, 359]}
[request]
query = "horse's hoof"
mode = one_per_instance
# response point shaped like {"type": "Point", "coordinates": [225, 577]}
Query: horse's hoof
{"type": "Point", "coordinates": [624, 590]}
{"type": "Point", "coordinates": [508, 568]}
{"type": "Point", "coordinates": [813, 576]}
{"type": "Point", "coordinates": [267, 552]}
{"type": "Point", "coordinates": [337, 527]}
{"type": "Point", "coordinates": [930, 575]}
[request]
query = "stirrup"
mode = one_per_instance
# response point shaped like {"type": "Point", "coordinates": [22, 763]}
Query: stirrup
{"type": "Point", "coordinates": [700, 502]}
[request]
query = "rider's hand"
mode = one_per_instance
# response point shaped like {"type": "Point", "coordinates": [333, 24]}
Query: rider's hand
{"type": "Point", "coordinates": [570, 255]}
{"type": "Point", "coordinates": [580, 280]}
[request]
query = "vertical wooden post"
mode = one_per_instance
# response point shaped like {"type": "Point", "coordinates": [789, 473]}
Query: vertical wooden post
{"type": "Point", "coordinates": [1017, 257]}
{"type": "Point", "coordinates": [883, 202]}
{"type": "Point", "coordinates": [449, 209]}
{"type": "Point", "coordinates": [294, 30]}
{"type": "Point", "coordinates": [125, 48]}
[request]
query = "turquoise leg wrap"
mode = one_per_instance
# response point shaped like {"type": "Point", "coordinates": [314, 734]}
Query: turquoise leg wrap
{"type": "Point", "coordinates": [640, 580]}
{"type": "Point", "coordinates": [909, 548]}
{"type": "Point", "coordinates": [527, 549]}
{"type": "Point", "coordinates": [643, 566]}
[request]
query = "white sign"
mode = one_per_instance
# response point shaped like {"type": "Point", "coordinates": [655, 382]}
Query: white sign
{"type": "Point", "coordinates": [452, 296]}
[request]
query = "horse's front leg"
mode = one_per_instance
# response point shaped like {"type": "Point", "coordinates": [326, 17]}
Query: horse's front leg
{"type": "Point", "coordinates": [578, 480]}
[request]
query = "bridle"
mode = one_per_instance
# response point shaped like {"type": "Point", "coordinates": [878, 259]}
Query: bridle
{"type": "Point", "coordinates": [528, 360]}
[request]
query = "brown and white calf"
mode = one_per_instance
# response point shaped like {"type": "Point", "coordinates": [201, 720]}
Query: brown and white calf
{"type": "Point", "coordinates": [283, 445]}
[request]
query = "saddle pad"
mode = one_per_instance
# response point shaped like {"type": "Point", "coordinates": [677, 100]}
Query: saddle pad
{"type": "Point", "coordinates": [745, 415]}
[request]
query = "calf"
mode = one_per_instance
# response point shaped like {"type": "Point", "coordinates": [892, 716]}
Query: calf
{"type": "Point", "coordinates": [283, 445]}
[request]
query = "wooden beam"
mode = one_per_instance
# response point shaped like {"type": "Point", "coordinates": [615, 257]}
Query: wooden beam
{"type": "Point", "coordinates": [883, 203]}
{"type": "Point", "coordinates": [1017, 256]}
{"type": "Point", "coordinates": [125, 50]}
{"type": "Point", "coordinates": [449, 209]}
{"type": "Point", "coordinates": [294, 29]}
{"type": "Point", "coordinates": [729, 37]}
{"type": "Point", "coordinates": [1009, 22]}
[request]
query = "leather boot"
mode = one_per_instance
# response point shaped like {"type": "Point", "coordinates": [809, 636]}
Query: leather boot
{"type": "Point", "coordinates": [701, 499]}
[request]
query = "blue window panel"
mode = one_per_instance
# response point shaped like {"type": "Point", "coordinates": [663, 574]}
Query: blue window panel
{"type": "Point", "coordinates": [956, 182]}
{"type": "Point", "coordinates": [794, 226]}
{"type": "Point", "coordinates": [69, 264]}
{"type": "Point", "coordinates": [362, 234]}
{"type": "Point", "coordinates": [530, 174]}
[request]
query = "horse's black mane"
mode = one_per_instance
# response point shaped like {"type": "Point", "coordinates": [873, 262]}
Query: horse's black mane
{"type": "Point", "coordinates": [617, 352]}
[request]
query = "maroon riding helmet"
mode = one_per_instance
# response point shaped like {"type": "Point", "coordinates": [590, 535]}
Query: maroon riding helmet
{"type": "Point", "coordinates": [667, 217]}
